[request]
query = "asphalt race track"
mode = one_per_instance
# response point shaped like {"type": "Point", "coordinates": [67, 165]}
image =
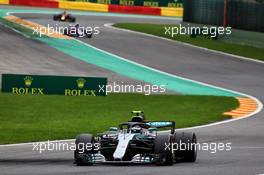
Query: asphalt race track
{"type": "Point", "coordinates": [247, 135]}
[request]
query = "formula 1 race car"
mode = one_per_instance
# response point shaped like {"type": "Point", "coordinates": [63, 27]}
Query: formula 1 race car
{"type": "Point", "coordinates": [78, 31]}
{"type": "Point", "coordinates": [65, 17]}
{"type": "Point", "coordinates": [137, 141]}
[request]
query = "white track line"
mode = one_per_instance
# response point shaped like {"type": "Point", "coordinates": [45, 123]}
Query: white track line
{"type": "Point", "coordinates": [32, 143]}
{"type": "Point", "coordinates": [260, 105]}
{"type": "Point", "coordinates": [110, 25]}
{"type": "Point", "coordinates": [248, 147]}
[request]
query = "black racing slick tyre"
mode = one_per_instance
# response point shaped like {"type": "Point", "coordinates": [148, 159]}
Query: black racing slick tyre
{"type": "Point", "coordinates": [66, 32]}
{"type": "Point", "coordinates": [82, 153]}
{"type": "Point", "coordinates": [184, 146]}
{"type": "Point", "coordinates": [89, 35]}
{"type": "Point", "coordinates": [72, 19]}
{"type": "Point", "coordinates": [161, 149]}
{"type": "Point", "coordinates": [55, 17]}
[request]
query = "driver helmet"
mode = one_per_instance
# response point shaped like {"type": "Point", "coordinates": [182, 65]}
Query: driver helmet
{"type": "Point", "coordinates": [136, 129]}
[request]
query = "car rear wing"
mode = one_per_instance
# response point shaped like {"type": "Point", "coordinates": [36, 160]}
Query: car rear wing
{"type": "Point", "coordinates": [162, 124]}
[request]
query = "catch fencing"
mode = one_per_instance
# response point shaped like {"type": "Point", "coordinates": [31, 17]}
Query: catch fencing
{"type": "Point", "coordinates": [240, 14]}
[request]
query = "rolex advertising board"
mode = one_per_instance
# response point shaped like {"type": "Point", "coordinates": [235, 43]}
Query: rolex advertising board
{"type": "Point", "coordinates": [59, 85]}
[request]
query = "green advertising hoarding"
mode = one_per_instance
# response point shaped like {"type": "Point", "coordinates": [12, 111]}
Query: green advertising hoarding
{"type": "Point", "coordinates": [53, 85]}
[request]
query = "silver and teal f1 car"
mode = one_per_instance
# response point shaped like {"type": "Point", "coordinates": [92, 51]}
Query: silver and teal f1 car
{"type": "Point", "coordinates": [137, 141]}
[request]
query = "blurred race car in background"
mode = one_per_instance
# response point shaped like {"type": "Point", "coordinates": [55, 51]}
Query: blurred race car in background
{"type": "Point", "coordinates": [65, 17]}
{"type": "Point", "coordinates": [136, 141]}
{"type": "Point", "coordinates": [78, 31]}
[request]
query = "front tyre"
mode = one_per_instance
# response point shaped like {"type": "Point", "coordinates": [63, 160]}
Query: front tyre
{"type": "Point", "coordinates": [164, 155]}
{"type": "Point", "coordinates": [82, 155]}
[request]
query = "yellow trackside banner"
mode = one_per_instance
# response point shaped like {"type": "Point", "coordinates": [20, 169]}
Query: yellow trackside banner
{"type": "Point", "coordinates": [83, 6]}
{"type": "Point", "coordinates": [171, 11]}
{"type": "Point", "coordinates": [4, 1]}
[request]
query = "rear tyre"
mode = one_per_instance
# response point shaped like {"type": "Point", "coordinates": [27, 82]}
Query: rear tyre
{"type": "Point", "coordinates": [55, 18]}
{"type": "Point", "coordinates": [73, 19]}
{"type": "Point", "coordinates": [164, 155]}
{"type": "Point", "coordinates": [82, 155]}
{"type": "Point", "coordinates": [89, 35]}
{"type": "Point", "coordinates": [186, 146]}
{"type": "Point", "coordinates": [65, 31]}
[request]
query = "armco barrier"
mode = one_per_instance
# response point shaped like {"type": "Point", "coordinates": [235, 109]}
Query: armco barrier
{"type": "Point", "coordinates": [135, 9]}
{"type": "Point", "coordinates": [4, 1]}
{"type": "Point", "coordinates": [36, 3]}
{"type": "Point", "coordinates": [170, 11]}
{"type": "Point", "coordinates": [83, 6]}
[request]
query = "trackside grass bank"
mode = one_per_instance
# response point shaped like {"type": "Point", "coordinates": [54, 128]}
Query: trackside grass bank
{"type": "Point", "coordinates": [36, 118]}
{"type": "Point", "coordinates": [158, 30]}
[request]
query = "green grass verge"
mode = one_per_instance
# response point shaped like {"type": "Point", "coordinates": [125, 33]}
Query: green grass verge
{"type": "Point", "coordinates": [158, 30]}
{"type": "Point", "coordinates": [35, 118]}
